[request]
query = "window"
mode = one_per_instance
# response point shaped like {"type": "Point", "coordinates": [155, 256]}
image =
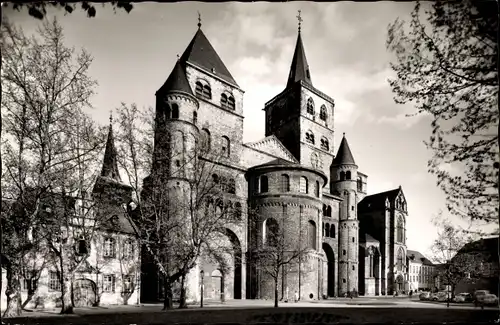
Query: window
{"type": "Point", "coordinates": [237, 210]}
{"type": "Point", "coordinates": [400, 230]}
{"type": "Point", "coordinates": [310, 106]}
{"type": "Point", "coordinates": [400, 262]}
{"type": "Point", "coordinates": [342, 176]}
{"type": "Point", "coordinates": [127, 284]}
{"type": "Point", "coordinates": [324, 144]}
{"type": "Point", "coordinates": [226, 146]}
{"type": "Point", "coordinates": [128, 249]}
{"type": "Point", "coordinates": [271, 233]}
{"type": "Point", "coordinates": [175, 111]}
{"type": "Point", "coordinates": [195, 117]}
{"type": "Point", "coordinates": [199, 89]}
{"type": "Point", "coordinates": [329, 211]}
{"type": "Point", "coordinates": [332, 231]}
{"type": "Point", "coordinates": [227, 102]}
{"type": "Point", "coordinates": [168, 112]}
{"type": "Point", "coordinates": [264, 185]}
{"type": "Point", "coordinates": [322, 113]}
{"type": "Point", "coordinates": [285, 183]}
{"type": "Point", "coordinates": [360, 184]}
{"type": "Point", "coordinates": [327, 230]}
{"type": "Point", "coordinates": [108, 283]}
{"type": "Point", "coordinates": [223, 100]}
{"type": "Point", "coordinates": [109, 247]}
{"type": "Point", "coordinates": [30, 283]}
{"type": "Point", "coordinates": [205, 140]}
{"type": "Point", "coordinates": [231, 103]}
{"type": "Point", "coordinates": [347, 175]}
{"type": "Point", "coordinates": [310, 137]}
{"type": "Point", "coordinates": [343, 280]}
{"type": "Point", "coordinates": [54, 283]}
{"type": "Point", "coordinates": [231, 186]}
{"type": "Point", "coordinates": [344, 252]}
{"type": "Point", "coordinates": [256, 185]}
{"type": "Point", "coordinates": [82, 247]}
{"type": "Point", "coordinates": [353, 268]}
{"type": "Point", "coordinates": [316, 189]}
{"type": "Point", "coordinates": [311, 234]}
{"type": "Point", "coordinates": [353, 239]}
{"type": "Point", "coordinates": [207, 92]}
{"type": "Point", "coordinates": [303, 185]}
{"type": "Point", "coordinates": [215, 179]}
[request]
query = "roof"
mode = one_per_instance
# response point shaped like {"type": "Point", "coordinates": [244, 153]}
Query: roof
{"type": "Point", "coordinates": [201, 53]}
{"type": "Point", "coordinates": [278, 161]}
{"type": "Point", "coordinates": [119, 222]}
{"type": "Point", "coordinates": [367, 238]}
{"type": "Point", "coordinates": [110, 165]}
{"type": "Point", "coordinates": [299, 69]}
{"type": "Point", "coordinates": [344, 154]}
{"type": "Point", "coordinates": [488, 247]}
{"type": "Point", "coordinates": [416, 256]}
{"type": "Point", "coordinates": [377, 201]}
{"type": "Point", "coordinates": [176, 81]}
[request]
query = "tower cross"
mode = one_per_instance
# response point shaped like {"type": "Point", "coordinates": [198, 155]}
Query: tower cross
{"type": "Point", "coordinates": [199, 20]}
{"type": "Point", "coordinates": [299, 18]}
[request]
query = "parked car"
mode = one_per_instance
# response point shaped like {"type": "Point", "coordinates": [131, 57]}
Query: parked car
{"type": "Point", "coordinates": [441, 296]}
{"type": "Point", "coordinates": [463, 297]}
{"type": "Point", "coordinates": [479, 293]}
{"type": "Point", "coordinates": [424, 296]}
{"type": "Point", "coordinates": [487, 299]}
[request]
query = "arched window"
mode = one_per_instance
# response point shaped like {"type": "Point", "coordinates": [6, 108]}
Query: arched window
{"type": "Point", "coordinates": [285, 183]}
{"type": "Point", "coordinates": [175, 111]}
{"type": "Point", "coordinates": [322, 113]}
{"type": "Point", "coordinates": [310, 137]}
{"type": "Point", "coordinates": [324, 144]}
{"type": "Point", "coordinates": [360, 184]}
{"type": "Point", "coordinates": [342, 176]}
{"type": "Point", "coordinates": [303, 188]}
{"type": "Point", "coordinates": [327, 230]}
{"type": "Point", "coordinates": [316, 189]}
{"type": "Point", "coordinates": [199, 89]}
{"type": "Point", "coordinates": [271, 232]}
{"type": "Point", "coordinates": [332, 231]}
{"type": "Point", "coordinates": [223, 100]}
{"type": "Point", "coordinates": [195, 117]}
{"type": "Point", "coordinates": [205, 140]}
{"type": "Point", "coordinates": [400, 261]}
{"type": "Point", "coordinates": [207, 92]}
{"type": "Point", "coordinates": [310, 106]}
{"type": "Point", "coordinates": [324, 210]}
{"type": "Point", "coordinates": [231, 188]}
{"type": "Point", "coordinates": [348, 174]}
{"type": "Point", "coordinates": [329, 211]}
{"type": "Point", "coordinates": [237, 210]}
{"type": "Point", "coordinates": [311, 234]}
{"type": "Point", "coordinates": [264, 184]}
{"type": "Point", "coordinates": [168, 112]}
{"type": "Point", "coordinates": [226, 148]}
{"type": "Point", "coordinates": [400, 230]}
{"type": "Point", "coordinates": [231, 103]}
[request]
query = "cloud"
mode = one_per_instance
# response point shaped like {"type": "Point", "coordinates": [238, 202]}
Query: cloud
{"type": "Point", "coordinates": [401, 121]}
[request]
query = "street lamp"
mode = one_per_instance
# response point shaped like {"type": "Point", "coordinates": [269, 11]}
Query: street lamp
{"type": "Point", "coordinates": [202, 273]}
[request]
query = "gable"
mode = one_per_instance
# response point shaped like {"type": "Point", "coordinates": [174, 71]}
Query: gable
{"type": "Point", "coordinates": [271, 145]}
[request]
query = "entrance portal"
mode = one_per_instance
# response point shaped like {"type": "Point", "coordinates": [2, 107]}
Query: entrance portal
{"type": "Point", "coordinates": [330, 274]}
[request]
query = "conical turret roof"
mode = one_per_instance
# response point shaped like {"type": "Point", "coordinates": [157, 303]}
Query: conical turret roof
{"type": "Point", "coordinates": [176, 81]}
{"type": "Point", "coordinates": [344, 154]}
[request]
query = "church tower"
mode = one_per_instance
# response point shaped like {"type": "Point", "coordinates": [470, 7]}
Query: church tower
{"type": "Point", "coordinates": [301, 116]}
{"type": "Point", "coordinates": [343, 176]}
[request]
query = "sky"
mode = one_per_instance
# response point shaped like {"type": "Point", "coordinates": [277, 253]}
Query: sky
{"type": "Point", "coordinates": [345, 48]}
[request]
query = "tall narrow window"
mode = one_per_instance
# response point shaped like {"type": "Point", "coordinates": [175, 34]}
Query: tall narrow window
{"type": "Point", "coordinates": [264, 185]}
{"type": "Point", "coordinates": [205, 140]}
{"type": "Point", "coordinates": [303, 185]}
{"type": "Point", "coordinates": [109, 283]}
{"type": "Point", "coordinates": [327, 230]}
{"type": "Point", "coordinates": [360, 184]}
{"type": "Point", "coordinates": [316, 189]}
{"type": "Point", "coordinates": [400, 262]}
{"type": "Point", "coordinates": [271, 232]}
{"type": "Point", "coordinates": [199, 89]}
{"type": "Point", "coordinates": [332, 230]}
{"type": "Point", "coordinates": [168, 112]}
{"type": "Point", "coordinates": [109, 247]}
{"type": "Point", "coordinates": [226, 148]}
{"type": "Point", "coordinates": [223, 100]}
{"type": "Point", "coordinates": [175, 111]}
{"type": "Point", "coordinates": [311, 234]}
{"type": "Point", "coordinates": [329, 211]}
{"type": "Point", "coordinates": [342, 176]}
{"type": "Point", "coordinates": [207, 92]}
{"type": "Point", "coordinates": [322, 113]}
{"type": "Point", "coordinates": [195, 117]}
{"type": "Point", "coordinates": [54, 282]}
{"type": "Point", "coordinates": [231, 103]}
{"type": "Point", "coordinates": [348, 175]}
{"type": "Point", "coordinates": [310, 106]}
{"type": "Point", "coordinates": [285, 183]}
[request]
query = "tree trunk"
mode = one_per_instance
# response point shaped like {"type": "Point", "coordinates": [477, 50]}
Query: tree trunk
{"type": "Point", "coordinates": [182, 302]}
{"type": "Point", "coordinates": [31, 293]}
{"type": "Point", "coordinates": [67, 303]}
{"type": "Point", "coordinates": [167, 302]}
{"type": "Point", "coordinates": [13, 292]}
{"type": "Point", "coordinates": [276, 292]}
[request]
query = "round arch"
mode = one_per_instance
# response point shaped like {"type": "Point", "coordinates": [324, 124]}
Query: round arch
{"type": "Point", "coordinates": [330, 267]}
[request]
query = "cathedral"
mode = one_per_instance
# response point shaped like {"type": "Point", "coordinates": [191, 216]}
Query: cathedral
{"type": "Point", "coordinates": [357, 242]}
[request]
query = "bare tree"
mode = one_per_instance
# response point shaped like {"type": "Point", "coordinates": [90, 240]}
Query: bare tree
{"type": "Point", "coordinates": [44, 85]}
{"type": "Point", "coordinates": [454, 267]}
{"type": "Point", "coordinates": [277, 248]}
{"type": "Point", "coordinates": [446, 60]}
{"type": "Point", "coordinates": [177, 224]}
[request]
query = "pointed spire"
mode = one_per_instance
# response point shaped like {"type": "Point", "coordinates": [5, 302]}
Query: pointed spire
{"type": "Point", "coordinates": [299, 70]}
{"type": "Point", "coordinates": [110, 165]}
{"type": "Point", "coordinates": [176, 81]}
{"type": "Point", "coordinates": [344, 154]}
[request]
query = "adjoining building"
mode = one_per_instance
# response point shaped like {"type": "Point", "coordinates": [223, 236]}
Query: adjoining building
{"type": "Point", "coordinates": [421, 272]}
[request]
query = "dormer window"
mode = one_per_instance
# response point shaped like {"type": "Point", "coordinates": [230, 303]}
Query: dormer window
{"type": "Point", "coordinates": [322, 113]}
{"type": "Point", "coordinates": [310, 137]}
{"type": "Point", "coordinates": [324, 144]}
{"type": "Point", "coordinates": [310, 106]}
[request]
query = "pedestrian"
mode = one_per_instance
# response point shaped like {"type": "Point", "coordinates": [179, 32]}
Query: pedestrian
{"type": "Point", "coordinates": [296, 296]}
{"type": "Point", "coordinates": [411, 293]}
